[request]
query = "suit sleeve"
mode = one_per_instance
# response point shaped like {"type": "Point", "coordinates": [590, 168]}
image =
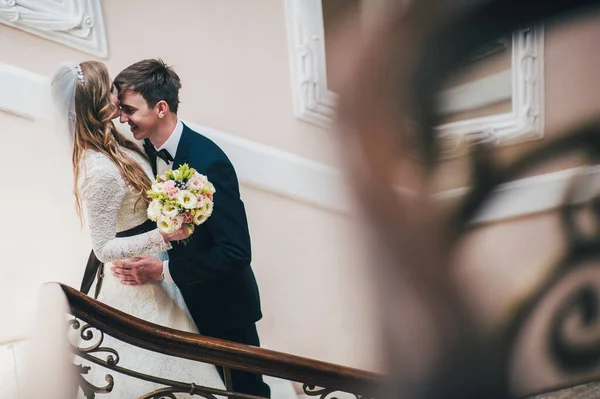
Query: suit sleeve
{"type": "Point", "coordinates": [228, 228]}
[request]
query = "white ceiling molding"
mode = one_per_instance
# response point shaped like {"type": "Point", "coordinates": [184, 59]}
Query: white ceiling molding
{"type": "Point", "coordinates": [315, 103]}
{"type": "Point", "coordinates": [74, 23]}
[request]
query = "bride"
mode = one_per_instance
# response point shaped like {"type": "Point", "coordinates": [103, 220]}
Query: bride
{"type": "Point", "coordinates": [111, 178]}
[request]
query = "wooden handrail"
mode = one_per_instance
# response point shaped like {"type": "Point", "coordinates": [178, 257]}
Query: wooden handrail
{"type": "Point", "coordinates": [154, 337]}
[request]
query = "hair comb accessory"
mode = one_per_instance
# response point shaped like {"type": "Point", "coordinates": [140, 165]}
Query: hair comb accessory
{"type": "Point", "coordinates": [79, 73]}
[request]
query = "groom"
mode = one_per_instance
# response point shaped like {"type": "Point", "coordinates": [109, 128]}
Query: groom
{"type": "Point", "coordinates": [213, 270]}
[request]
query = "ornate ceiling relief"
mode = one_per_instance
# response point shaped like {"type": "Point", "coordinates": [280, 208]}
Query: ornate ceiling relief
{"type": "Point", "coordinates": [74, 23]}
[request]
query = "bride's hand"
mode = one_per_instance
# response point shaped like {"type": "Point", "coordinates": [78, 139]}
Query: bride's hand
{"type": "Point", "coordinates": [181, 234]}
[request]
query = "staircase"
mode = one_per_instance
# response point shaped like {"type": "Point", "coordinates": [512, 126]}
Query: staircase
{"type": "Point", "coordinates": [11, 376]}
{"type": "Point", "coordinates": [92, 321]}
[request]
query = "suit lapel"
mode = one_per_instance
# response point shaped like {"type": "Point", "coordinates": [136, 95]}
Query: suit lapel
{"type": "Point", "coordinates": [183, 148]}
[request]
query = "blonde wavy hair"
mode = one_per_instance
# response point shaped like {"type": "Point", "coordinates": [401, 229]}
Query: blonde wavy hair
{"type": "Point", "coordinates": [94, 130]}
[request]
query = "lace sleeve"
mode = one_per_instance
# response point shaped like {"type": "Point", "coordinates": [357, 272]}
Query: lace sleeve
{"type": "Point", "coordinates": [102, 190]}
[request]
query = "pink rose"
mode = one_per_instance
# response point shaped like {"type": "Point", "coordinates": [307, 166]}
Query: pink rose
{"type": "Point", "coordinates": [196, 184]}
{"type": "Point", "coordinates": [170, 189]}
{"type": "Point", "coordinates": [188, 218]}
{"type": "Point", "coordinates": [169, 184]}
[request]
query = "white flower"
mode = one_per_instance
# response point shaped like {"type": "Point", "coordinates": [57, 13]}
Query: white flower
{"type": "Point", "coordinates": [208, 188]}
{"type": "Point", "coordinates": [166, 224]}
{"type": "Point", "coordinates": [200, 202]}
{"type": "Point", "coordinates": [170, 210]}
{"type": "Point", "coordinates": [187, 199]}
{"type": "Point", "coordinates": [157, 187]}
{"type": "Point", "coordinates": [200, 217]}
{"type": "Point", "coordinates": [201, 177]}
{"type": "Point", "coordinates": [208, 207]}
{"type": "Point", "coordinates": [154, 210]}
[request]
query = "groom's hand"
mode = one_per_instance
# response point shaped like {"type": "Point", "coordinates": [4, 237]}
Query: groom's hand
{"type": "Point", "coordinates": [139, 270]}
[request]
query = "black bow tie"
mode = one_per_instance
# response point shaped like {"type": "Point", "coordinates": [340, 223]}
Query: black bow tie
{"type": "Point", "coordinates": [152, 153]}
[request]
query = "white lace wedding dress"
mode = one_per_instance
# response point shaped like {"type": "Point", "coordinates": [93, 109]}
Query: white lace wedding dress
{"type": "Point", "coordinates": [110, 207]}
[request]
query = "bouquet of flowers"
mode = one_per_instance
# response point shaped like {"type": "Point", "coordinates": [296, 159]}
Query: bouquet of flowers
{"type": "Point", "coordinates": [180, 197]}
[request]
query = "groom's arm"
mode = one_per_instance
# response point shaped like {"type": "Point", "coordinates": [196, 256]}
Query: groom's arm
{"type": "Point", "coordinates": [228, 228]}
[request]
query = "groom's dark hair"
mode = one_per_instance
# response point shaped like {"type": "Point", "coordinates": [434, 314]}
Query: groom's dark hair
{"type": "Point", "coordinates": [154, 80]}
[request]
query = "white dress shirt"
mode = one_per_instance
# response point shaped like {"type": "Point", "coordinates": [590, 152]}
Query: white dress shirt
{"type": "Point", "coordinates": [171, 146]}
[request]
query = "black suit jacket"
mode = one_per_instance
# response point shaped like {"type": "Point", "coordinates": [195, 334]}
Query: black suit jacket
{"type": "Point", "coordinates": [213, 270]}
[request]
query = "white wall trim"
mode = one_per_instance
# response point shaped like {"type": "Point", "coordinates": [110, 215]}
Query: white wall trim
{"type": "Point", "coordinates": [315, 103]}
{"type": "Point", "coordinates": [74, 23]}
{"type": "Point", "coordinates": [281, 172]}
{"type": "Point", "coordinates": [267, 168]}
{"type": "Point", "coordinates": [535, 194]}
{"type": "Point", "coordinates": [21, 91]}
{"type": "Point", "coordinates": [301, 179]}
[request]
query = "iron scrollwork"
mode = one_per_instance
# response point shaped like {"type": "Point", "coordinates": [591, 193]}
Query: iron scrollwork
{"type": "Point", "coordinates": [581, 354]}
{"type": "Point", "coordinates": [585, 354]}
{"type": "Point", "coordinates": [88, 332]}
{"type": "Point", "coordinates": [577, 353]}
{"type": "Point", "coordinates": [326, 393]}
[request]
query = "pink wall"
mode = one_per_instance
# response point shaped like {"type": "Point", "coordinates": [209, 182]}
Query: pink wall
{"type": "Point", "coordinates": [233, 62]}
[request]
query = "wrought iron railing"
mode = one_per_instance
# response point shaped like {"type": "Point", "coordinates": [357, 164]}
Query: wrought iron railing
{"type": "Point", "coordinates": [95, 320]}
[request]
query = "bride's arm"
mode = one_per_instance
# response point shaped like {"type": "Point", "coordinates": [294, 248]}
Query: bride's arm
{"type": "Point", "coordinates": [102, 190]}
